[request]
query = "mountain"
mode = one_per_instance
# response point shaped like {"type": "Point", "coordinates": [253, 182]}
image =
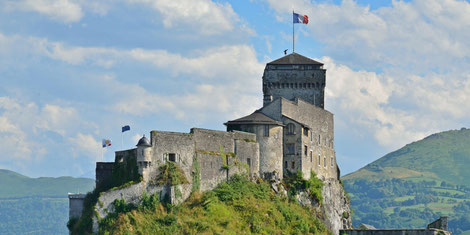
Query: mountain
{"type": "Point", "coordinates": [36, 205]}
{"type": "Point", "coordinates": [414, 185]}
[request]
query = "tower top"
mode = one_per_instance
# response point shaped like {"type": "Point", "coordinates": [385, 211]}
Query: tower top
{"type": "Point", "coordinates": [295, 58]}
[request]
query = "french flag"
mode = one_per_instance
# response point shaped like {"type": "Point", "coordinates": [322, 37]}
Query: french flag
{"type": "Point", "coordinates": [300, 18]}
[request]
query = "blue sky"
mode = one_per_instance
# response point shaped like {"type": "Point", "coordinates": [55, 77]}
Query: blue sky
{"type": "Point", "coordinates": [74, 71]}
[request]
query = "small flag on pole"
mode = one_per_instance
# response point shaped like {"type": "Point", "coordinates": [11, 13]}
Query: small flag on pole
{"type": "Point", "coordinates": [126, 128]}
{"type": "Point", "coordinates": [105, 143]}
{"type": "Point", "coordinates": [300, 18]}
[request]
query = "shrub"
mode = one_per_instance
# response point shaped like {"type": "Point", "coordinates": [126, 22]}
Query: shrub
{"type": "Point", "coordinates": [171, 174]}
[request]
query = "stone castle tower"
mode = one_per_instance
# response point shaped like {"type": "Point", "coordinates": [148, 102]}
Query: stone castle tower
{"type": "Point", "coordinates": [294, 76]}
{"type": "Point", "coordinates": [294, 131]}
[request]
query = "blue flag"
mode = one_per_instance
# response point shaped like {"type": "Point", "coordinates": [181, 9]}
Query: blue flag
{"type": "Point", "coordinates": [126, 128]}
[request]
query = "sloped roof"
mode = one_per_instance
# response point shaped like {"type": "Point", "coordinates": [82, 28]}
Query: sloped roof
{"type": "Point", "coordinates": [254, 118]}
{"type": "Point", "coordinates": [295, 58]}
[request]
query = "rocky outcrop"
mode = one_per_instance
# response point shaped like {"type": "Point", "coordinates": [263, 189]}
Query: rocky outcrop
{"type": "Point", "coordinates": [336, 207]}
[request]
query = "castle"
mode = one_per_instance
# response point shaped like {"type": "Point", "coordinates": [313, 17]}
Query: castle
{"type": "Point", "coordinates": [291, 132]}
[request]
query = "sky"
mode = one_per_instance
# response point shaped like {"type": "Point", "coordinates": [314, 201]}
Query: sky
{"type": "Point", "coordinates": [73, 72]}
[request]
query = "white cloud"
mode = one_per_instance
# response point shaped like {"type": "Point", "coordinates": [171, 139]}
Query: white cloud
{"type": "Point", "coordinates": [209, 17]}
{"type": "Point", "coordinates": [419, 36]}
{"type": "Point", "coordinates": [87, 145]}
{"type": "Point", "coordinates": [377, 103]}
{"type": "Point", "coordinates": [67, 11]}
{"type": "Point", "coordinates": [29, 131]}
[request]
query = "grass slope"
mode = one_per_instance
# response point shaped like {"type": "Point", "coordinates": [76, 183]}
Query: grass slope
{"type": "Point", "coordinates": [442, 156]}
{"type": "Point", "coordinates": [36, 205]}
{"type": "Point", "coordinates": [236, 207]}
{"type": "Point", "coordinates": [415, 184]}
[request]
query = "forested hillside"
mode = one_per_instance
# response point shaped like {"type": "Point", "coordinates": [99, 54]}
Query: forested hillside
{"type": "Point", "coordinates": [415, 184]}
{"type": "Point", "coordinates": [36, 205]}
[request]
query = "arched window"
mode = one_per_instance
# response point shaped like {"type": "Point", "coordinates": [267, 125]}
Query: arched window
{"type": "Point", "coordinates": [290, 129]}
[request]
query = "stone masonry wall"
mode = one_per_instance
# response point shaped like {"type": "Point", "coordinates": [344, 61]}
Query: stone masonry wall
{"type": "Point", "coordinates": [319, 140]}
{"type": "Point", "coordinates": [307, 84]}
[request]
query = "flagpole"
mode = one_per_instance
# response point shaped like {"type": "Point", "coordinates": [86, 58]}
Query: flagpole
{"type": "Point", "coordinates": [122, 140]}
{"type": "Point", "coordinates": [293, 37]}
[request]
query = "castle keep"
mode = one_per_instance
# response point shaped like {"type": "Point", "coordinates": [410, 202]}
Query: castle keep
{"type": "Point", "coordinates": [291, 132]}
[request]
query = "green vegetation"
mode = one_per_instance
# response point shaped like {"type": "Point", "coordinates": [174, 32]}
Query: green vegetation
{"type": "Point", "coordinates": [124, 174]}
{"type": "Point", "coordinates": [36, 205]}
{"type": "Point", "coordinates": [295, 182]}
{"type": "Point", "coordinates": [235, 207]}
{"type": "Point", "coordinates": [171, 174]}
{"type": "Point", "coordinates": [196, 174]}
{"type": "Point", "coordinates": [415, 185]}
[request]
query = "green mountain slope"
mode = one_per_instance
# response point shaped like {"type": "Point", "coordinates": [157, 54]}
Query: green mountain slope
{"type": "Point", "coordinates": [415, 184]}
{"type": "Point", "coordinates": [36, 205]}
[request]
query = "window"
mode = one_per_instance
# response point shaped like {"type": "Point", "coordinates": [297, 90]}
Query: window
{"type": "Point", "coordinates": [248, 161]}
{"type": "Point", "coordinates": [172, 157]}
{"type": "Point", "coordinates": [311, 137]}
{"type": "Point", "coordinates": [319, 140]}
{"type": "Point", "coordinates": [324, 161]}
{"type": "Point", "coordinates": [305, 150]}
{"type": "Point", "coordinates": [290, 129]}
{"type": "Point", "coordinates": [311, 156]}
{"type": "Point", "coordinates": [266, 130]}
{"type": "Point", "coordinates": [290, 148]}
{"type": "Point", "coordinates": [319, 160]}
{"type": "Point", "coordinates": [293, 165]}
{"type": "Point", "coordinates": [285, 164]}
{"type": "Point", "coordinates": [306, 131]}
{"type": "Point", "coordinates": [331, 161]}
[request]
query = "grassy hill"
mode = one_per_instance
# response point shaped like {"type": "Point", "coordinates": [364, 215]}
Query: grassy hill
{"type": "Point", "coordinates": [238, 206]}
{"type": "Point", "coordinates": [36, 205]}
{"type": "Point", "coordinates": [416, 184]}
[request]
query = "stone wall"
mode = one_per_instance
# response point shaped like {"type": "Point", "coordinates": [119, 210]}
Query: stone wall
{"type": "Point", "coordinates": [104, 172]}
{"type": "Point", "coordinates": [166, 144]}
{"type": "Point", "coordinates": [300, 82]}
{"type": "Point", "coordinates": [76, 204]}
{"type": "Point", "coordinates": [237, 148]}
{"type": "Point", "coordinates": [248, 158]}
{"type": "Point", "coordinates": [319, 138]}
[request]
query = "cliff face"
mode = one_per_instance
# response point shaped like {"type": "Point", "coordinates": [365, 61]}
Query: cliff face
{"type": "Point", "coordinates": [336, 206]}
